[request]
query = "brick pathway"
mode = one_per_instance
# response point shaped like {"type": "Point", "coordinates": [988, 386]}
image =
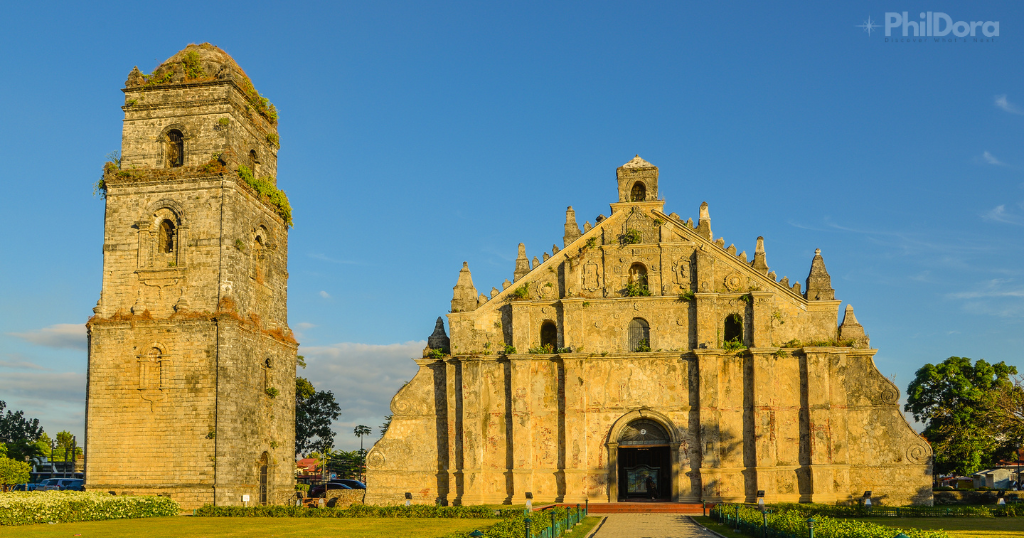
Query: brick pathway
{"type": "Point", "coordinates": [650, 526]}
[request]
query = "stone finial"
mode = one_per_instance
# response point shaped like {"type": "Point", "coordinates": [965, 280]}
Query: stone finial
{"type": "Point", "coordinates": [572, 230]}
{"type": "Point", "coordinates": [494, 292]}
{"type": "Point", "coordinates": [704, 222]}
{"type": "Point", "coordinates": [851, 330]}
{"type": "Point", "coordinates": [771, 275]}
{"type": "Point", "coordinates": [438, 339]}
{"type": "Point", "coordinates": [522, 264]}
{"type": "Point", "coordinates": [600, 218]}
{"type": "Point", "coordinates": [464, 296]}
{"type": "Point", "coordinates": [135, 78]}
{"type": "Point", "coordinates": [819, 283]}
{"type": "Point", "coordinates": [760, 263]}
{"type": "Point", "coordinates": [99, 305]}
{"type": "Point", "coordinates": [731, 249]}
{"type": "Point", "coordinates": [689, 222]}
{"type": "Point", "coordinates": [587, 227]}
{"type": "Point", "coordinates": [505, 284]}
{"type": "Point", "coordinates": [536, 263]}
{"type": "Point", "coordinates": [554, 249]}
{"type": "Point", "coordinates": [481, 300]}
{"type": "Point", "coordinates": [546, 256]}
{"type": "Point", "coordinates": [743, 256]}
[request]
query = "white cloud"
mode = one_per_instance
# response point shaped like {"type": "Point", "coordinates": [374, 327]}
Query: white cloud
{"type": "Point", "coordinates": [1000, 214]}
{"type": "Point", "coordinates": [1002, 103]}
{"type": "Point", "coordinates": [46, 386]}
{"type": "Point", "coordinates": [304, 325]}
{"type": "Point", "coordinates": [363, 378]}
{"type": "Point", "coordinates": [1002, 297]}
{"type": "Point", "coordinates": [61, 335]}
{"type": "Point", "coordinates": [991, 159]}
{"type": "Point", "coordinates": [324, 294]}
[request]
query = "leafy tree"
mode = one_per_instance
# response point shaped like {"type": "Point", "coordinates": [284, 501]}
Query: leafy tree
{"type": "Point", "coordinates": [63, 452]}
{"type": "Point", "coordinates": [314, 412]}
{"type": "Point", "coordinates": [3, 450]}
{"type": "Point", "coordinates": [1007, 415]}
{"type": "Point", "coordinates": [13, 472]}
{"type": "Point", "coordinates": [15, 427]}
{"type": "Point", "coordinates": [954, 400]}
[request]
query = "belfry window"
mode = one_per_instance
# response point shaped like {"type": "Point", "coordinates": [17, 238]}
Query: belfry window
{"type": "Point", "coordinates": [253, 161]}
{"type": "Point", "coordinates": [549, 336]}
{"type": "Point", "coordinates": [638, 193]}
{"type": "Point", "coordinates": [733, 329]}
{"type": "Point", "coordinates": [165, 238]}
{"type": "Point", "coordinates": [175, 148]}
{"type": "Point", "coordinates": [639, 335]}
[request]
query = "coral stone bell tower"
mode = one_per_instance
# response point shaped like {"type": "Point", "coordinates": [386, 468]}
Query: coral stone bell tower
{"type": "Point", "coordinates": [191, 361]}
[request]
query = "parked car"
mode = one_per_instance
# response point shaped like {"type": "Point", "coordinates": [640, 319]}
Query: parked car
{"type": "Point", "coordinates": [31, 486]}
{"type": "Point", "coordinates": [62, 484]}
{"type": "Point", "coordinates": [320, 490]}
{"type": "Point", "coordinates": [354, 484]}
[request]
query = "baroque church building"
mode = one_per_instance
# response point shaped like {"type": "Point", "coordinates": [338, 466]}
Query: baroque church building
{"type": "Point", "coordinates": [191, 374]}
{"type": "Point", "coordinates": [646, 352]}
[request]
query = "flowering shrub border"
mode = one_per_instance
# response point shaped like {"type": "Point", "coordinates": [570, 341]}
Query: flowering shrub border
{"type": "Point", "coordinates": [24, 508]}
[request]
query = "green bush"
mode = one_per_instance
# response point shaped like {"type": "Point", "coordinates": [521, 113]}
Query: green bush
{"type": "Point", "coordinates": [794, 522]}
{"type": "Point", "coordinates": [302, 487]}
{"type": "Point", "coordinates": [266, 190]}
{"type": "Point", "coordinates": [23, 508]}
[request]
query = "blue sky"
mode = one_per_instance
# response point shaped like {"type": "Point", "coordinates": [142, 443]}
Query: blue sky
{"type": "Point", "coordinates": [417, 136]}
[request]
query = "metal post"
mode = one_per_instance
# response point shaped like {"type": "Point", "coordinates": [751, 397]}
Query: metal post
{"type": "Point", "coordinates": [764, 521]}
{"type": "Point", "coordinates": [704, 507]}
{"type": "Point", "coordinates": [528, 533]}
{"type": "Point", "coordinates": [738, 517]}
{"type": "Point", "coordinates": [810, 526]}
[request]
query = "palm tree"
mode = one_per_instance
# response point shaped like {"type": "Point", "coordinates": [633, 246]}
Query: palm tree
{"type": "Point", "coordinates": [360, 431]}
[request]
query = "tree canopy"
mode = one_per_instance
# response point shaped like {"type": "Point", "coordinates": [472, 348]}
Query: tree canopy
{"type": "Point", "coordinates": [955, 400]}
{"type": "Point", "coordinates": [315, 411]}
{"type": "Point", "coordinates": [15, 427]}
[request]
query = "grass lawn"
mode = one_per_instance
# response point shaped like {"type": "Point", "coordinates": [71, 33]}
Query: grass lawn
{"type": "Point", "coordinates": [960, 527]}
{"type": "Point", "coordinates": [583, 529]}
{"type": "Point", "coordinates": [180, 526]}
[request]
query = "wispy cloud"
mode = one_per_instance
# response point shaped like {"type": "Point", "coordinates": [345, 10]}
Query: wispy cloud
{"type": "Point", "coordinates": [1002, 297]}
{"type": "Point", "coordinates": [1000, 214]}
{"type": "Point", "coordinates": [304, 325]}
{"type": "Point", "coordinates": [61, 386]}
{"type": "Point", "coordinates": [991, 159]}
{"type": "Point", "coordinates": [324, 294]}
{"type": "Point", "coordinates": [61, 335]}
{"type": "Point", "coordinates": [1007, 106]}
{"type": "Point", "coordinates": [18, 363]}
{"type": "Point", "coordinates": [364, 378]}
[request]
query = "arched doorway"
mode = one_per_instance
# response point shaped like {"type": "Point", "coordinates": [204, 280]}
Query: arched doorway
{"type": "Point", "coordinates": [638, 193]}
{"type": "Point", "coordinates": [644, 462]}
{"type": "Point", "coordinates": [549, 336]}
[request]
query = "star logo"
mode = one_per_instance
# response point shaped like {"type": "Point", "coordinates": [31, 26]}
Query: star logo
{"type": "Point", "coordinates": [869, 25]}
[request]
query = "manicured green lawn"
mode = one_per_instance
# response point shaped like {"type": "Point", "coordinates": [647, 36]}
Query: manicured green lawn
{"type": "Point", "coordinates": [584, 528]}
{"type": "Point", "coordinates": [960, 527]}
{"type": "Point", "coordinates": [182, 526]}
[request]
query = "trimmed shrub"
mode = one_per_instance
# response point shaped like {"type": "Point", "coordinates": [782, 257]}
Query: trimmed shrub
{"type": "Point", "coordinates": [23, 508]}
{"type": "Point", "coordinates": [794, 522]}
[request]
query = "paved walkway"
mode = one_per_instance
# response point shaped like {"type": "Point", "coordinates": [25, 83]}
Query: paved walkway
{"type": "Point", "coordinates": [650, 526]}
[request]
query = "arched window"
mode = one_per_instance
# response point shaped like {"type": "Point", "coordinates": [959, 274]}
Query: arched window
{"type": "Point", "coordinates": [549, 336]}
{"type": "Point", "coordinates": [264, 463]}
{"type": "Point", "coordinates": [151, 369]}
{"type": "Point", "coordinates": [733, 330]}
{"type": "Point", "coordinates": [253, 161]}
{"type": "Point", "coordinates": [639, 335]}
{"type": "Point", "coordinates": [165, 239]}
{"type": "Point", "coordinates": [175, 148]}
{"type": "Point", "coordinates": [259, 255]}
{"type": "Point", "coordinates": [638, 193]}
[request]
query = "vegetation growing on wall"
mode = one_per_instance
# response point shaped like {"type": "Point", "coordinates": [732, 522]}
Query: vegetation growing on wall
{"type": "Point", "coordinates": [266, 190]}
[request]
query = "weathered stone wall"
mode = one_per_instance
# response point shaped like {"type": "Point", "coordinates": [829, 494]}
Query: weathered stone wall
{"type": "Point", "coordinates": [190, 338]}
{"type": "Point", "coordinates": [797, 411]}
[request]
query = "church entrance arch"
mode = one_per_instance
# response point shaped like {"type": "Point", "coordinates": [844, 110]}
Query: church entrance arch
{"type": "Point", "coordinates": [641, 457]}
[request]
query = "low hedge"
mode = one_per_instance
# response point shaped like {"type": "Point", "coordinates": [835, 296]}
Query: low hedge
{"type": "Point", "coordinates": [833, 510]}
{"type": "Point", "coordinates": [23, 508]}
{"type": "Point", "coordinates": [794, 523]}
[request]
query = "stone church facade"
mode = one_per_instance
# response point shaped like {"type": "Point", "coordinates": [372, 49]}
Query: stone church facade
{"type": "Point", "coordinates": [645, 347]}
{"type": "Point", "coordinates": [191, 373]}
